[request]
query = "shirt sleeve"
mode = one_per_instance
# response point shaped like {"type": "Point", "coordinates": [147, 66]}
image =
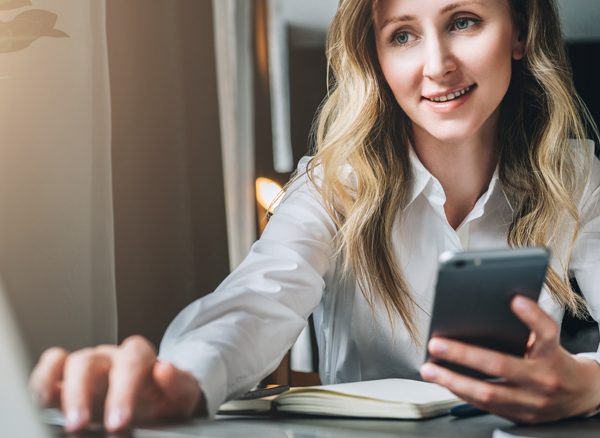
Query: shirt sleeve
{"type": "Point", "coordinates": [585, 263]}
{"type": "Point", "coordinates": [235, 336]}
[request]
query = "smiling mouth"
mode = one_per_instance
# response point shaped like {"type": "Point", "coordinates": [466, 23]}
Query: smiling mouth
{"type": "Point", "coordinates": [452, 96]}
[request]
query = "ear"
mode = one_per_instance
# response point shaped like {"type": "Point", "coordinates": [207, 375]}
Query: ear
{"type": "Point", "coordinates": [518, 47]}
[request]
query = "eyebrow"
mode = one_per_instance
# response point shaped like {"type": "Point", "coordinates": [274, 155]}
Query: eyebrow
{"type": "Point", "coordinates": [444, 10]}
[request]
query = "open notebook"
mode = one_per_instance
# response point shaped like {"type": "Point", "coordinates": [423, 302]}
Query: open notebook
{"type": "Point", "coordinates": [387, 398]}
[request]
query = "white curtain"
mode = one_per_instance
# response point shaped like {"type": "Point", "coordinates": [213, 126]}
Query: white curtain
{"type": "Point", "coordinates": [56, 220]}
{"type": "Point", "coordinates": [279, 78]}
{"type": "Point", "coordinates": [233, 47]}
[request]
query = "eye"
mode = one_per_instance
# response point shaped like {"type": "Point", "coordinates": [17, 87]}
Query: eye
{"type": "Point", "coordinates": [464, 23]}
{"type": "Point", "coordinates": [402, 38]}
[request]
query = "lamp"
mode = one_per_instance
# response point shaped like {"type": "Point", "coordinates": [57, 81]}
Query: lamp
{"type": "Point", "coordinates": [268, 196]}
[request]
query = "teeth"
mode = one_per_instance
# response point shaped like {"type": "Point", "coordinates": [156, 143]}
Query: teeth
{"type": "Point", "coordinates": [451, 96]}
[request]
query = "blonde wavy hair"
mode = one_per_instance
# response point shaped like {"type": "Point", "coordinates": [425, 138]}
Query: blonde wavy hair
{"type": "Point", "coordinates": [361, 125]}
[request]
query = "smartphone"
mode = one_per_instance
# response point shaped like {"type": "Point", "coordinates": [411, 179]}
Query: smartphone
{"type": "Point", "coordinates": [473, 294]}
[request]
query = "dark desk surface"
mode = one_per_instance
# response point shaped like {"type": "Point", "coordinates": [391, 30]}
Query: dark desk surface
{"type": "Point", "coordinates": [443, 427]}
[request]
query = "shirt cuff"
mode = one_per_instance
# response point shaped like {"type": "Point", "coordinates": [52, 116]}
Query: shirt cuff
{"type": "Point", "coordinates": [595, 357]}
{"type": "Point", "coordinates": [204, 362]}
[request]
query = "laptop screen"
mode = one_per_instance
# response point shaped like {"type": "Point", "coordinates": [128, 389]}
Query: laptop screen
{"type": "Point", "coordinates": [18, 416]}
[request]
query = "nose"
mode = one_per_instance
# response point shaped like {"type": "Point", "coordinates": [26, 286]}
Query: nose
{"type": "Point", "coordinates": [439, 60]}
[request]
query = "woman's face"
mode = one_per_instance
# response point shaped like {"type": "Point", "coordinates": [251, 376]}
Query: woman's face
{"type": "Point", "coordinates": [447, 62]}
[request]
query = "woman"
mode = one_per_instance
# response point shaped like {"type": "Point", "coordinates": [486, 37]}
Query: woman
{"type": "Point", "coordinates": [449, 125]}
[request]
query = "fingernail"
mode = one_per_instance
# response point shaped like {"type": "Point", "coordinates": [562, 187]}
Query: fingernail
{"type": "Point", "coordinates": [428, 371]}
{"type": "Point", "coordinates": [437, 346]}
{"type": "Point", "coordinates": [116, 419]}
{"type": "Point", "coordinates": [75, 418]}
{"type": "Point", "coordinates": [521, 303]}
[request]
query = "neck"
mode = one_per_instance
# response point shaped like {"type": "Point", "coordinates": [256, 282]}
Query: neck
{"type": "Point", "coordinates": [463, 168]}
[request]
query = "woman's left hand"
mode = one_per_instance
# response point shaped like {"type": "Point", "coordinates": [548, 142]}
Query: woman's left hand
{"type": "Point", "coordinates": [548, 384]}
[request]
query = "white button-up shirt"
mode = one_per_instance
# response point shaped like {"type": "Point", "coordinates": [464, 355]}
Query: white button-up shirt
{"type": "Point", "coordinates": [233, 337]}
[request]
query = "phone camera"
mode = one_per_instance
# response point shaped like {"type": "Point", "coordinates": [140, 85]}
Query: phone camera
{"type": "Point", "coordinates": [460, 264]}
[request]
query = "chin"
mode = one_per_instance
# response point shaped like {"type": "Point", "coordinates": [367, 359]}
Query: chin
{"type": "Point", "coordinates": [451, 134]}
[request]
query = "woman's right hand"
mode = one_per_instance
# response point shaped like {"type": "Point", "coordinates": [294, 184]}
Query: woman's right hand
{"type": "Point", "coordinates": [119, 384]}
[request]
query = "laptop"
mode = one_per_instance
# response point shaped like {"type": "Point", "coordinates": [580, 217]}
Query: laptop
{"type": "Point", "coordinates": [18, 415]}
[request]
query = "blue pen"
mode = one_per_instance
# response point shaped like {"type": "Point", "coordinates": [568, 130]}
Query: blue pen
{"type": "Point", "coordinates": [466, 410]}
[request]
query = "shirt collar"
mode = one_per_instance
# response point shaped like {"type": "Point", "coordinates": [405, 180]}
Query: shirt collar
{"type": "Point", "coordinates": [421, 178]}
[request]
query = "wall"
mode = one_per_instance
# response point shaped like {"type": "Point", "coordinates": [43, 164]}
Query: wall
{"type": "Point", "coordinates": [308, 88]}
{"type": "Point", "coordinates": [170, 230]}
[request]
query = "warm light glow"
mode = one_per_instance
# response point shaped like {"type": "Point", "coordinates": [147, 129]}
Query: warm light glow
{"type": "Point", "coordinates": [268, 193]}
{"type": "Point", "coordinates": [261, 40]}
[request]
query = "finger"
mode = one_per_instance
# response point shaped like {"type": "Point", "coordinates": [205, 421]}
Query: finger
{"type": "Point", "coordinates": [181, 391]}
{"type": "Point", "coordinates": [504, 400]}
{"type": "Point", "coordinates": [84, 372]}
{"type": "Point", "coordinates": [131, 370]}
{"type": "Point", "coordinates": [545, 329]}
{"type": "Point", "coordinates": [44, 382]}
{"type": "Point", "coordinates": [530, 343]}
{"type": "Point", "coordinates": [490, 362]}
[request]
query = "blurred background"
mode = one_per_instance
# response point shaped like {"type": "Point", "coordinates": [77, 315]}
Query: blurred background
{"type": "Point", "coordinates": [132, 137]}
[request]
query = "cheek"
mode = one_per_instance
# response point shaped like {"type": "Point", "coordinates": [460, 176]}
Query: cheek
{"type": "Point", "coordinates": [491, 60]}
{"type": "Point", "coordinates": [401, 74]}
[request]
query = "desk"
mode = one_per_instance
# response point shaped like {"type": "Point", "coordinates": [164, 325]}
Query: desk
{"type": "Point", "coordinates": [442, 427]}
